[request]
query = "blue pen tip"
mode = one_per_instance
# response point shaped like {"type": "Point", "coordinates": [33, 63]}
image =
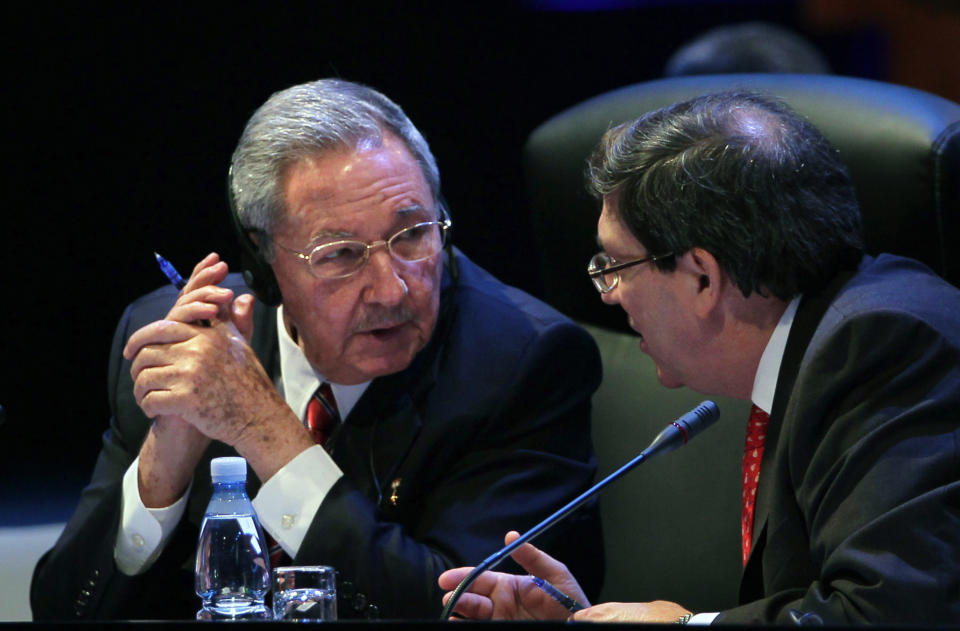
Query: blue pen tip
{"type": "Point", "coordinates": [170, 271]}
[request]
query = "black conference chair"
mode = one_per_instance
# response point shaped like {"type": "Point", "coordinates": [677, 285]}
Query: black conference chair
{"type": "Point", "coordinates": [672, 526]}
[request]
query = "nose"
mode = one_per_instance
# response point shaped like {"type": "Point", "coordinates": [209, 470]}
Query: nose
{"type": "Point", "coordinates": [384, 285]}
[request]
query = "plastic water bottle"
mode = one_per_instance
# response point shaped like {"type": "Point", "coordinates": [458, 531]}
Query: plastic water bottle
{"type": "Point", "coordinates": [233, 564]}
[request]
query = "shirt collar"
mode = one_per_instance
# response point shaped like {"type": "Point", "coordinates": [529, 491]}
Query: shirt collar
{"type": "Point", "coordinates": [300, 380]}
{"type": "Point", "coordinates": [765, 381]}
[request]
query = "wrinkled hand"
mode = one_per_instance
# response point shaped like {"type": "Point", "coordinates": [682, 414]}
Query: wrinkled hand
{"type": "Point", "coordinates": [176, 357]}
{"type": "Point", "coordinates": [199, 300]}
{"type": "Point", "coordinates": [208, 376]}
{"type": "Point", "coordinates": [500, 596]}
{"type": "Point", "coordinates": [656, 611]}
{"type": "Point", "coordinates": [173, 445]}
{"type": "Point", "coordinates": [209, 379]}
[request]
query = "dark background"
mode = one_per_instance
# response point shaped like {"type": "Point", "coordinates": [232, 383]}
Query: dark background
{"type": "Point", "coordinates": [120, 121]}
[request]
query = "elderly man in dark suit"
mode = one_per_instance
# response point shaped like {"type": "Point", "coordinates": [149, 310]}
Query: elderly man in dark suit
{"type": "Point", "coordinates": [459, 406]}
{"type": "Point", "coordinates": [732, 238]}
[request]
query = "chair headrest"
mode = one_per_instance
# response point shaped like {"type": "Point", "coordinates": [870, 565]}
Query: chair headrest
{"type": "Point", "coordinates": [901, 145]}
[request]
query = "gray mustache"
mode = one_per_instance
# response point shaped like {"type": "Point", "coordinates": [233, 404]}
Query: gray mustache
{"type": "Point", "coordinates": [379, 318]}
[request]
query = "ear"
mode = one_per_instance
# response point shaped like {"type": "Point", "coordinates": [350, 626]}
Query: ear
{"type": "Point", "coordinates": [704, 280]}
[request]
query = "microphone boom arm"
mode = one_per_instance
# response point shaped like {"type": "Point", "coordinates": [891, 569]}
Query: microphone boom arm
{"type": "Point", "coordinates": [675, 435]}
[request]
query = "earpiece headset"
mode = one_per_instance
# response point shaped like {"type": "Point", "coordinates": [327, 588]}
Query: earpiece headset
{"type": "Point", "coordinates": [258, 273]}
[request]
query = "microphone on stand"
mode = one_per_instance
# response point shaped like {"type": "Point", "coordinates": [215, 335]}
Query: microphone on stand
{"type": "Point", "coordinates": [674, 435]}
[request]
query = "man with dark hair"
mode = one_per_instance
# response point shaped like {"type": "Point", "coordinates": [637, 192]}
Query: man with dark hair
{"type": "Point", "coordinates": [446, 406]}
{"type": "Point", "coordinates": [732, 239]}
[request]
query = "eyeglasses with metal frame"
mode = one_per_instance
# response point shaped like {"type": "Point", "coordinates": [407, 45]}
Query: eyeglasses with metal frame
{"type": "Point", "coordinates": [343, 258]}
{"type": "Point", "coordinates": [602, 266]}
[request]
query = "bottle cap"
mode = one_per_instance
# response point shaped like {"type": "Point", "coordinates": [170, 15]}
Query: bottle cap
{"type": "Point", "coordinates": [228, 469]}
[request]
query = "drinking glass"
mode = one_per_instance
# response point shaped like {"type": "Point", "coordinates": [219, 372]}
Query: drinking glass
{"type": "Point", "coordinates": [305, 593]}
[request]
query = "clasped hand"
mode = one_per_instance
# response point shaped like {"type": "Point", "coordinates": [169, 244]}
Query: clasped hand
{"type": "Point", "coordinates": [208, 376]}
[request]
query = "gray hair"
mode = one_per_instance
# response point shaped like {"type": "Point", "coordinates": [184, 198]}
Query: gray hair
{"type": "Point", "coordinates": [304, 121]}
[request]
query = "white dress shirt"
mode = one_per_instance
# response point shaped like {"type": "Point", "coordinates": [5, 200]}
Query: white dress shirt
{"type": "Point", "coordinates": [285, 504]}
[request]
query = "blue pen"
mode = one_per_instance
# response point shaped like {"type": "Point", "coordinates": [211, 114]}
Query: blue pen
{"type": "Point", "coordinates": [170, 272]}
{"type": "Point", "coordinates": [570, 604]}
{"type": "Point", "coordinates": [175, 278]}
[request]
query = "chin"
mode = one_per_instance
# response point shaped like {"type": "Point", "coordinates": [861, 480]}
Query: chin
{"type": "Point", "coordinates": [388, 362]}
{"type": "Point", "coordinates": [382, 367]}
{"type": "Point", "coordinates": [667, 380]}
{"type": "Point", "coordinates": [368, 356]}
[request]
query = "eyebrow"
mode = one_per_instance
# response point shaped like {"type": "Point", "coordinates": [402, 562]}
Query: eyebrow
{"type": "Point", "coordinates": [325, 235]}
{"type": "Point", "coordinates": [400, 214]}
{"type": "Point", "coordinates": [403, 215]}
{"type": "Point", "coordinates": [413, 208]}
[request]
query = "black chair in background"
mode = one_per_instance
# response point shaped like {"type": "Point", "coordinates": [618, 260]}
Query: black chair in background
{"type": "Point", "coordinates": [672, 526]}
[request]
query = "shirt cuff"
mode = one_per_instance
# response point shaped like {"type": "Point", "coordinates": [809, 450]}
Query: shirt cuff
{"type": "Point", "coordinates": [143, 531]}
{"type": "Point", "coordinates": [288, 501]}
{"type": "Point", "coordinates": [703, 618]}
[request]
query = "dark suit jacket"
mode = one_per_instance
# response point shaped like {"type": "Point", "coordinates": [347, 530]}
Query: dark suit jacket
{"type": "Point", "coordinates": [858, 510]}
{"type": "Point", "coordinates": [487, 430]}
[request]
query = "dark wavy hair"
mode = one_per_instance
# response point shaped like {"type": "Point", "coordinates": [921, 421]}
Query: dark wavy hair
{"type": "Point", "coordinates": [741, 176]}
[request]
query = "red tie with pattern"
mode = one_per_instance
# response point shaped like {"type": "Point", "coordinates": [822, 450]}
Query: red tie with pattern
{"type": "Point", "coordinates": [322, 415]}
{"type": "Point", "coordinates": [322, 419]}
{"type": "Point", "coordinates": [752, 457]}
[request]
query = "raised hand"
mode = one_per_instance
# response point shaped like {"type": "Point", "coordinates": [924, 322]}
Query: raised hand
{"type": "Point", "coordinates": [196, 375]}
{"type": "Point", "coordinates": [208, 376]}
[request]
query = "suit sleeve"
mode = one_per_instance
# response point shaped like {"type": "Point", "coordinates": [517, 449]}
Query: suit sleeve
{"type": "Point", "coordinates": [78, 579]}
{"type": "Point", "coordinates": [487, 469]}
{"type": "Point", "coordinates": [872, 453]}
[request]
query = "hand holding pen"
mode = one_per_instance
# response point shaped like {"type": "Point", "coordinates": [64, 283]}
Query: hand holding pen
{"type": "Point", "coordinates": [202, 301]}
{"type": "Point", "coordinates": [174, 445]}
{"type": "Point", "coordinates": [550, 592]}
{"type": "Point", "coordinates": [194, 350]}
{"type": "Point", "coordinates": [206, 383]}
{"type": "Point", "coordinates": [568, 602]}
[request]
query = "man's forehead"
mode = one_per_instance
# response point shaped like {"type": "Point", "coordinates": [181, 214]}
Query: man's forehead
{"type": "Point", "coordinates": [614, 238]}
{"type": "Point", "coordinates": [346, 176]}
{"type": "Point", "coordinates": [341, 158]}
{"type": "Point", "coordinates": [607, 226]}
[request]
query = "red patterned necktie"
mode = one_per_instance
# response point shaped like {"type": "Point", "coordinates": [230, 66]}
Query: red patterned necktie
{"type": "Point", "coordinates": [322, 415]}
{"type": "Point", "coordinates": [752, 457]}
{"type": "Point", "coordinates": [322, 419]}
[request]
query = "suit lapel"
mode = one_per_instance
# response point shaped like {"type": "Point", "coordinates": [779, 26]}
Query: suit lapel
{"type": "Point", "coordinates": [809, 314]}
{"type": "Point", "coordinates": [374, 440]}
